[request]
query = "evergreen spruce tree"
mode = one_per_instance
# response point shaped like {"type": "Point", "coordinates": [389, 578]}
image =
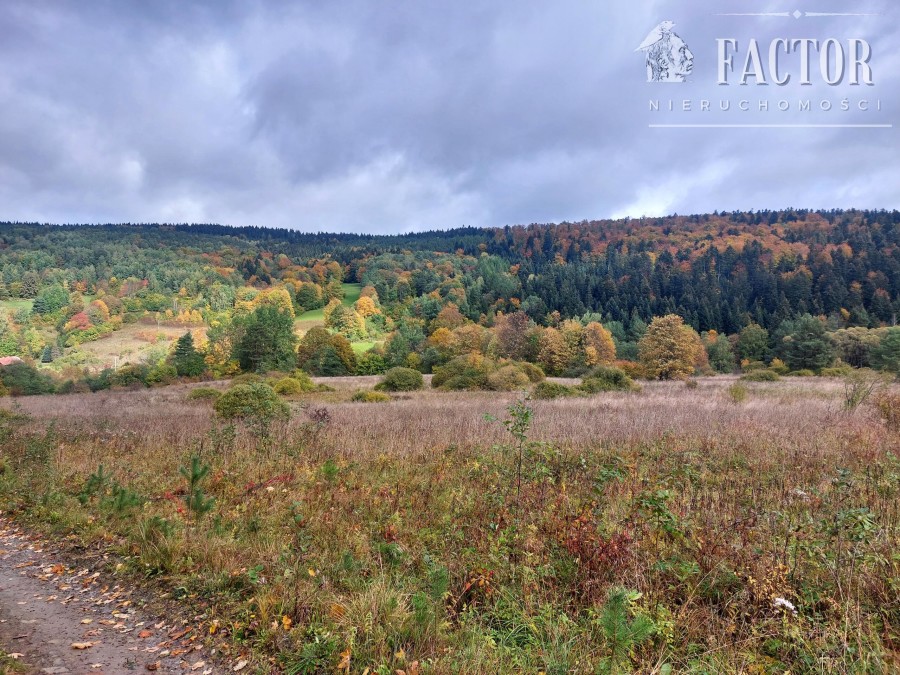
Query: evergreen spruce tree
{"type": "Point", "coordinates": [268, 342]}
{"type": "Point", "coordinates": [804, 344]}
{"type": "Point", "coordinates": [187, 360]}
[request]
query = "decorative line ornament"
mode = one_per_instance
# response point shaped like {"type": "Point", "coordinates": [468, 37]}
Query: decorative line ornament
{"type": "Point", "coordinates": [797, 14]}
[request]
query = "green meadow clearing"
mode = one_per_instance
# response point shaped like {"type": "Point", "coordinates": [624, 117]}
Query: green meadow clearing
{"type": "Point", "coordinates": [316, 317]}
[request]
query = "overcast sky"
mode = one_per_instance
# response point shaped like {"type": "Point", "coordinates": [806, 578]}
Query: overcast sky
{"type": "Point", "coordinates": [376, 116]}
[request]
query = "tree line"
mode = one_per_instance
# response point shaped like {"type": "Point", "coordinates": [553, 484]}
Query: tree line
{"type": "Point", "coordinates": [570, 290]}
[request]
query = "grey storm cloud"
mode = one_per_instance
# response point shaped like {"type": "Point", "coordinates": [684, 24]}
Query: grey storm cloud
{"type": "Point", "coordinates": [418, 114]}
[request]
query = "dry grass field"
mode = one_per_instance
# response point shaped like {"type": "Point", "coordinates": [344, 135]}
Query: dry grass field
{"type": "Point", "coordinates": [671, 530]}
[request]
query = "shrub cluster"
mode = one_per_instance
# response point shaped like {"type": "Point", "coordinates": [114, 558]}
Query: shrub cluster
{"type": "Point", "coordinates": [607, 378]}
{"type": "Point", "coordinates": [474, 372]}
{"type": "Point", "coordinates": [546, 391]}
{"type": "Point", "coordinates": [401, 379]}
{"type": "Point", "coordinates": [838, 371]}
{"type": "Point", "coordinates": [20, 379]}
{"type": "Point", "coordinates": [299, 383]}
{"type": "Point", "coordinates": [632, 369]}
{"type": "Point", "coordinates": [508, 378]}
{"type": "Point", "coordinates": [247, 378]}
{"type": "Point", "coordinates": [532, 372]}
{"type": "Point", "coordinates": [370, 397]}
{"type": "Point", "coordinates": [255, 401]}
{"type": "Point", "coordinates": [598, 380]}
{"type": "Point", "coordinates": [761, 376]}
{"type": "Point", "coordinates": [204, 394]}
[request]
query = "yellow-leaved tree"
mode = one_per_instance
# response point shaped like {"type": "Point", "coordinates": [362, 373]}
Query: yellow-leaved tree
{"type": "Point", "coordinates": [554, 353]}
{"type": "Point", "coordinates": [366, 306]}
{"type": "Point", "coordinates": [599, 348]}
{"type": "Point", "coordinates": [279, 298]}
{"type": "Point", "coordinates": [442, 340]}
{"type": "Point", "coordinates": [669, 349]}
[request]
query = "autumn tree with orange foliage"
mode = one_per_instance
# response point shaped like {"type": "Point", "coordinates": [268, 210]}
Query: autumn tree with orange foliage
{"type": "Point", "coordinates": [366, 307]}
{"type": "Point", "coordinates": [442, 339]}
{"type": "Point", "coordinates": [98, 312]}
{"type": "Point", "coordinates": [330, 308]}
{"type": "Point", "coordinates": [470, 339]}
{"type": "Point", "coordinates": [346, 321]}
{"type": "Point", "coordinates": [512, 335]}
{"type": "Point", "coordinates": [449, 317]}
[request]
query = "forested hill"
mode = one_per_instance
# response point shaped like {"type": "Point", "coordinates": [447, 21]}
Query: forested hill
{"type": "Point", "coordinates": [719, 271]}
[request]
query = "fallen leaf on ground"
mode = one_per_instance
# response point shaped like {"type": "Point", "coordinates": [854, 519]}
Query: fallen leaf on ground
{"type": "Point", "coordinates": [198, 665]}
{"type": "Point", "coordinates": [87, 621]}
{"type": "Point", "coordinates": [145, 634]}
{"type": "Point", "coordinates": [240, 665]}
{"type": "Point", "coordinates": [153, 666]}
{"type": "Point", "coordinates": [82, 645]}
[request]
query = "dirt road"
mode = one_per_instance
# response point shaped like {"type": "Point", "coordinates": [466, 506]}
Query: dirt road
{"type": "Point", "coordinates": [60, 619]}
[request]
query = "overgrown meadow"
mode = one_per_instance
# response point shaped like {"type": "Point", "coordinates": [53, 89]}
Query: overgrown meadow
{"type": "Point", "coordinates": [675, 529]}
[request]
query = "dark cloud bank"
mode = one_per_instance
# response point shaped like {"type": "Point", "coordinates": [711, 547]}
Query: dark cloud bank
{"type": "Point", "coordinates": [386, 117]}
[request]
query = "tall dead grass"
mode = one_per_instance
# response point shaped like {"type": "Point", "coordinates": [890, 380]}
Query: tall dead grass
{"type": "Point", "coordinates": [778, 413]}
{"type": "Point", "coordinates": [711, 509]}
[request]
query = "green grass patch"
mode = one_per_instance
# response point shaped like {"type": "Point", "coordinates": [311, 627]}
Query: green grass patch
{"type": "Point", "coordinates": [363, 346]}
{"type": "Point", "coordinates": [351, 294]}
{"type": "Point", "coordinates": [316, 317]}
{"type": "Point", "coordinates": [15, 305]}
